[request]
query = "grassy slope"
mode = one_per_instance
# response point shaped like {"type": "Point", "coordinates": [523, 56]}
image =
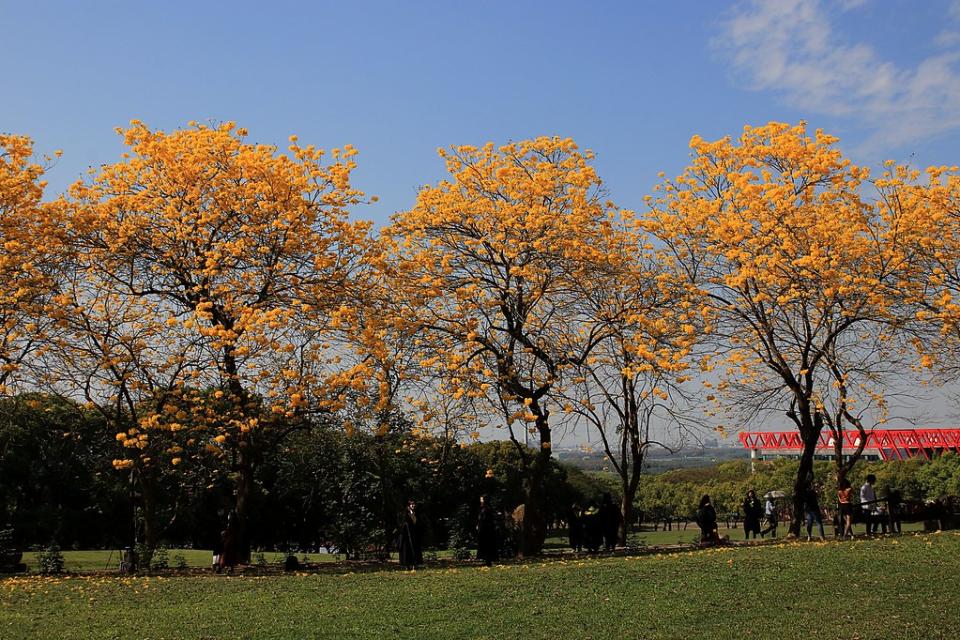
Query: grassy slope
{"type": "Point", "coordinates": [895, 587]}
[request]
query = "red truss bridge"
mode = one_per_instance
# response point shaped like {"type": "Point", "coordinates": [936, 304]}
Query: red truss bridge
{"type": "Point", "coordinates": [890, 444]}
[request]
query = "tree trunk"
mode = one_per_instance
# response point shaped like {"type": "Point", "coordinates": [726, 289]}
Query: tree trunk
{"type": "Point", "coordinates": [143, 498]}
{"type": "Point", "coordinates": [533, 528]}
{"type": "Point", "coordinates": [630, 483]}
{"type": "Point", "coordinates": [149, 515]}
{"type": "Point", "coordinates": [245, 488]}
{"type": "Point", "coordinates": [838, 464]}
{"type": "Point", "coordinates": [626, 512]}
{"type": "Point", "coordinates": [804, 473]}
{"type": "Point", "coordinates": [244, 461]}
{"type": "Point", "coordinates": [844, 467]}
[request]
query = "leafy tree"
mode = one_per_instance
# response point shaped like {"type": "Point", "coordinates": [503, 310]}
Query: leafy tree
{"type": "Point", "coordinates": [29, 248]}
{"type": "Point", "coordinates": [132, 371]}
{"type": "Point", "coordinates": [931, 211]}
{"type": "Point", "coordinates": [633, 379]}
{"type": "Point", "coordinates": [799, 273]}
{"type": "Point", "coordinates": [240, 247]}
{"type": "Point", "coordinates": [56, 481]}
{"type": "Point", "coordinates": [486, 262]}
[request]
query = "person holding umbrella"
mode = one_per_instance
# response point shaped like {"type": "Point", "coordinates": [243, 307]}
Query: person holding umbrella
{"type": "Point", "coordinates": [770, 513]}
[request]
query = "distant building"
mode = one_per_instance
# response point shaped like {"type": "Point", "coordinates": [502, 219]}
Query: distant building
{"type": "Point", "coordinates": [881, 444]}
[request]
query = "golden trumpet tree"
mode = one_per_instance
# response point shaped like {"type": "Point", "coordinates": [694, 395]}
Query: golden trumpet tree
{"type": "Point", "coordinates": [489, 263]}
{"type": "Point", "coordinates": [109, 350]}
{"type": "Point", "coordinates": [631, 386]}
{"type": "Point", "coordinates": [799, 273]}
{"type": "Point", "coordinates": [29, 237]}
{"type": "Point", "coordinates": [240, 247]}
{"type": "Point", "coordinates": [932, 213]}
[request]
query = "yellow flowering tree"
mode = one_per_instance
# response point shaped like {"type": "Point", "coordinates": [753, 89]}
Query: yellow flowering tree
{"type": "Point", "coordinates": [799, 272]}
{"type": "Point", "coordinates": [29, 237]}
{"type": "Point", "coordinates": [240, 247]}
{"type": "Point", "coordinates": [488, 263]}
{"type": "Point", "coordinates": [109, 351]}
{"type": "Point", "coordinates": [931, 209]}
{"type": "Point", "coordinates": [632, 385]}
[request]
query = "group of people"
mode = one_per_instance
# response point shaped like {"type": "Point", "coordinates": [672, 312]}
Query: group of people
{"type": "Point", "coordinates": [410, 541]}
{"type": "Point", "coordinates": [877, 513]}
{"type": "Point", "coordinates": [880, 515]}
{"type": "Point", "coordinates": [754, 515]}
{"type": "Point", "coordinates": [594, 526]}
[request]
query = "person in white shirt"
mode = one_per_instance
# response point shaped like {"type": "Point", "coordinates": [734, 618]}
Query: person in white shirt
{"type": "Point", "coordinates": [868, 502]}
{"type": "Point", "coordinates": [770, 511]}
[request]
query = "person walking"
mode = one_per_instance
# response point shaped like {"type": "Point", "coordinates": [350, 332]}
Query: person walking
{"type": "Point", "coordinates": [487, 547]}
{"type": "Point", "coordinates": [845, 503]}
{"type": "Point", "coordinates": [752, 511]}
{"type": "Point", "coordinates": [610, 521]}
{"type": "Point", "coordinates": [771, 516]}
{"type": "Point", "coordinates": [575, 528]}
{"type": "Point", "coordinates": [811, 509]}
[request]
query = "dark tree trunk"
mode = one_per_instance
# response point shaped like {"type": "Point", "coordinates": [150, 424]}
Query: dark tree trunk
{"type": "Point", "coordinates": [143, 498]}
{"type": "Point", "coordinates": [245, 466]}
{"type": "Point", "coordinates": [245, 488]}
{"type": "Point", "coordinates": [804, 475]}
{"type": "Point", "coordinates": [626, 512]}
{"type": "Point", "coordinates": [841, 466]}
{"type": "Point", "coordinates": [838, 463]}
{"type": "Point", "coordinates": [630, 482]}
{"type": "Point", "coordinates": [533, 526]}
{"type": "Point", "coordinates": [149, 515]}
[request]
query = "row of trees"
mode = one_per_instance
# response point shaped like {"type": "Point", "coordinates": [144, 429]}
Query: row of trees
{"type": "Point", "coordinates": [677, 493]}
{"type": "Point", "coordinates": [210, 297]}
{"type": "Point", "coordinates": [321, 488]}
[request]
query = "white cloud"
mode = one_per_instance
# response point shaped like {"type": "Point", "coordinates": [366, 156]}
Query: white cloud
{"type": "Point", "coordinates": [947, 38]}
{"type": "Point", "coordinates": [847, 5]}
{"type": "Point", "coordinates": [790, 47]}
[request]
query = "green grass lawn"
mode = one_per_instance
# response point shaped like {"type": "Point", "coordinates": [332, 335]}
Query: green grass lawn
{"type": "Point", "coordinates": [679, 535]}
{"type": "Point", "coordinates": [106, 560]}
{"type": "Point", "coordinates": [101, 560]}
{"type": "Point", "coordinates": [904, 587]}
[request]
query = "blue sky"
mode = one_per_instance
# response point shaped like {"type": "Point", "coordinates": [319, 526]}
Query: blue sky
{"type": "Point", "coordinates": [633, 81]}
{"type": "Point", "coordinates": [630, 80]}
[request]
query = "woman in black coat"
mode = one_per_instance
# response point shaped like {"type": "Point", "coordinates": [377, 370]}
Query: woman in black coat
{"type": "Point", "coordinates": [707, 521]}
{"type": "Point", "coordinates": [487, 547]}
{"type": "Point", "coordinates": [411, 537]}
{"type": "Point", "coordinates": [752, 512]}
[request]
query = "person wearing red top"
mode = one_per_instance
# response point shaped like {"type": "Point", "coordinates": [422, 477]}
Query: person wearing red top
{"type": "Point", "coordinates": [845, 500]}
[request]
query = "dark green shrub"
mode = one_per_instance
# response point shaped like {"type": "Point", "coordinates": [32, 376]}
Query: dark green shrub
{"type": "Point", "coordinates": [50, 560]}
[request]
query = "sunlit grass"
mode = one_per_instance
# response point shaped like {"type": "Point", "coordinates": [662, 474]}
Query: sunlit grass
{"type": "Point", "coordinates": [905, 587]}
